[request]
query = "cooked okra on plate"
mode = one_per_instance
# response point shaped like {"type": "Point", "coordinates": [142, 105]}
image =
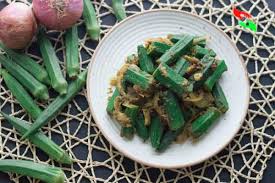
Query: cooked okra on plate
{"type": "Point", "coordinates": [168, 91]}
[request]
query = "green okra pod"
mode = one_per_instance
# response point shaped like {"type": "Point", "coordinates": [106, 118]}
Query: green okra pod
{"type": "Point", "coordinates": [156, 131]}
{"type": "Point", "coordinates": [51, 61]}
{"type": "Point", "coordinates": [40, 140]}
{"type": "Point", "coordinates": [28, 64]}
{"type": "Point", "coordinates": [181, 66]}
{"type": "Point", "coordinates": [156, 49]}
{"type": "Point", "coordinates": [21, 95]}
{"type": "Point", "coordinates": [141, 129]}
{"type": "Point", "coordinates": [211, 80]}
{"type": "Point", "coordinates": [111, 101]}
{"type": "Point", "coordinates": [168, 138]}
{"type": "Point", "coordinates": [173, 111]}
{"type": "Point", "coordinates": [39, 171]}
{"type": "Point", "coordinates": [200, 52]}
{"type": "Point", "coordinates": [198, 40]}
{"type": "Point", "coordinates": [219, 98]}
{"type": "Point", "coordinates": [36, 88]}
{"type": "Point", "coordinates": [119, 9]}
{"type": "Point", "coordinates": [92, 25]}
{"type": "Point", "coordinates": [205, 121]}
{"type": "Point", "coordinates": [145, 61]}
{"type": "Point", "coordinates": [72, 60]}
{"type": "Point", "coordinates": [177, 50]}
{"type": "Point", "coordinates": [168, 77]}
{"type": "Point", "coordinates": [57, 105]}
{"type": "Point", "coordinates": [131, 112]}
{"type": "Point", "coordinates": [200, 77]}
{"type": "Point", "coordinates": [138, 77]}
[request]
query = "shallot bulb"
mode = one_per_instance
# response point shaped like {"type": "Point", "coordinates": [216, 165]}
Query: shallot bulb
{"type": "Point", "coordinates": [58, 14]}
{"type": "Point", "coordinates": [17, 25]}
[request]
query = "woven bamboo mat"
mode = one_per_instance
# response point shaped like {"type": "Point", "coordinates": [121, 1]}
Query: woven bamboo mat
{"type": "Point", "coordinates": [243, 160]}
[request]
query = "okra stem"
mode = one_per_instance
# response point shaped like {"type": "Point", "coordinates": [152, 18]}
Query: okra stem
{"type": "Point", "coordinates": [92, 25]}
{"type": "Point", "coordinates": [119, 9]}
{"type": "Point", "coordinates": [72, 61]}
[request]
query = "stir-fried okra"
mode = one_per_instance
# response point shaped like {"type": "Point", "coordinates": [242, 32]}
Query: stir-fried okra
{"type": "Point", "coordinates": [169, 90]}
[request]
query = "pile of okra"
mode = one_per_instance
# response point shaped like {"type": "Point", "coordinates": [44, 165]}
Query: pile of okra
{"type": "Point", "coordinates": [168, 90]}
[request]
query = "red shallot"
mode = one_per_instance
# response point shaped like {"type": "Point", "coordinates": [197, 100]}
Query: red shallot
{"type": "Point", "coordinates": [17, 25]}
{"type": "Point", "coordinates": [58, 14]}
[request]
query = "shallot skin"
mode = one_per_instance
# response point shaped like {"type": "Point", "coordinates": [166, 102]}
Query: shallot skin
{"type": "Point", "coordinates": [17, 25]}
{"type": "Point", "coordinates": [58, 14]}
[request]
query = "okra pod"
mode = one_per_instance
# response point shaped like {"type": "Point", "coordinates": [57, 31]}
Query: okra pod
{"type": "Point", "coordinates": [119, 9]}
{"type": "Point", "coordinates": [177, 50]}
{"type": "Point", "coordinates": [127, 132]}
{"type": "Point", "coordinates": [207, 58]}
{"type": "Point", "coordinates": [200, 52]}
{"type": "Point", "coordinates": [131, 111]}
{"type": "Point", "coordinates": [210, 82]}
{"type": "Point", "coordinates": [200, 77]}
{"type": "Point", "coordinates": [198, 40]}
{"type": "Point", "coordinates": [168, 138]}
{"type": "Point", "coordinates": [51, 61]}
{"type": "Point", "coordinates": [156, 131]}
{"type": "Point", "coordinates": [36, 88]}
{"type": "Point", "coordinates": [72, 61]}
{"type": "Point", "coordinates": [219, 98]}
{"type": "Point", "coordinates": [172, 80]}
{"type": "Point", "coordinates": [111, 101]}
{"type": "Point", "coordinates": [39, 171]}
{"type": "Point", "coordinates": [145, 61]}
{"type": "Point", "coordinates": [205, 121]}
{"type": "Point", "coordinates": [173, 111]}
{"type": "Point", "coordinates": [57, 105]}
{"type": "Point", "coordinates": [141, 129]}
{"type": "Point", "coordinates": [138, 77]}
{"type": "Point", "coordinates": [28, 64]}
{"type": "Point", "coordinates": [40, 140]}
{"type": "Point", "coordinates": [181, 66]}
{"type": "Point", "coordinates": [156, 49]}
{"type": "Point", "coordinates": [21, 95]}
{"type": "Point", "coordinates": [92, 25]}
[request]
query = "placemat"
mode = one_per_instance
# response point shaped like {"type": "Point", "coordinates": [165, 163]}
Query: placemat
{"type": "Point", "coordinates": [243, 160]}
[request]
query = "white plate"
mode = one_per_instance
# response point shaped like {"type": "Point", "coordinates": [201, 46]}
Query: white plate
{"type": "Point", "coordinates": [122, 40]}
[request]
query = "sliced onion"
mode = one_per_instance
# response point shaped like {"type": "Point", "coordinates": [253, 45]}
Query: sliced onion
{"type": "Point", "coordinates": [58, 14]}
{"type": "Point", "coordinates": [17, 25]}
